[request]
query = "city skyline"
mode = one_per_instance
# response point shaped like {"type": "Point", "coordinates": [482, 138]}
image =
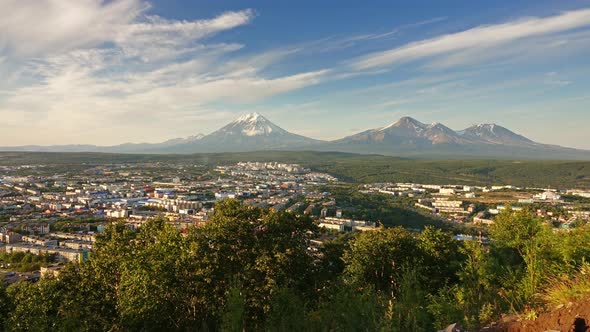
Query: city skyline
{"type": "Point", "coordinates": [96, 72]}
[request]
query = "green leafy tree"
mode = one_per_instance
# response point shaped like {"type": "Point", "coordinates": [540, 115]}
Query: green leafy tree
{"type": "Point", "coordinates": [377, 258]}
{"type": "Point", "coordinates": [442, 257]}
{"type": "Point", "coordinates": [410, 311]}
{"type": "Point", "coordinates": [573, 248]}
{"type": "Point", "coordinates": [35, 306]}
{"type": "Point", "coordinates": [232, 318]}
{"type": "Point", "coordinates": [5, 304]}
{"type": "Point", "coordinates": [287, 312]}
{"type": "Point", "coordinates": [102, 275]}
{"type": "Point", "coordinates": [347, 308]}
{"type": "Point", "coordinates": [151, 288]}
{"type": "Point", "coordinates": [472, 301]}
{"type": "Point", "coordinates": [331, 265]}
{"type": "Point", "coordinates": [531, 239]}
{"type": "Point", "coordinates": [259, 249]}
{"type": "Point", "coordinates": [85, 305]}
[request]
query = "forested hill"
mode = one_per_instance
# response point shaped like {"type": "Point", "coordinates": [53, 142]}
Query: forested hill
{"type": "Point", "coordinates": [352, 167]}
{"type": "Point", "coordinates": [252, 269]}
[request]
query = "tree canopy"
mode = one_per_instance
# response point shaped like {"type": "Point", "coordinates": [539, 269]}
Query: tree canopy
{"type": "Point", "coordinates": [255, 269]}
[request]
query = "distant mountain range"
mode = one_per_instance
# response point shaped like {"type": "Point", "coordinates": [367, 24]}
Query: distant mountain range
{"type": "Point", "coordinates": [407, 138]}
{"type": "Point", "coordinates": [411, 138]}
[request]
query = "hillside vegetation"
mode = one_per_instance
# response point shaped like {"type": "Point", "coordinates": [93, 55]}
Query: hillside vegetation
{"type": "Point", "coordinates": [251, 269]}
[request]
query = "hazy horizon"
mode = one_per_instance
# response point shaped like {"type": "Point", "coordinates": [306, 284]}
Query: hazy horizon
{"type": "Point", "coordinates": [111, 72]}
{"type": "Point", "coordinates": [201, 134]}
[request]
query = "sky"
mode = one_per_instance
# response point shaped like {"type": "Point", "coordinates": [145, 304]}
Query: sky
{"type": "Point", "coordinates": [109, 72]}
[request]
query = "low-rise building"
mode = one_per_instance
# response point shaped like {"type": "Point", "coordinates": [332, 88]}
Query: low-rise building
{"type": "Point", "coordinates": [67, 254]}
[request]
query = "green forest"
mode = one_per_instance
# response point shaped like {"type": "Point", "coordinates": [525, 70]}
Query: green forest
{"type": "Point", "coordinates": [346, 166]}
{"type": "Point", "coordinates": [251, 269]}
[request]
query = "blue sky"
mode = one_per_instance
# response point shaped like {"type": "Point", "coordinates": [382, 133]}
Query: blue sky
{"type": "Point", "coordinates": [108, 72]}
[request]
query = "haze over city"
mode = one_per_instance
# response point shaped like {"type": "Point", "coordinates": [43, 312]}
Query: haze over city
{"type": "Point", "coordinates": [109, 72]}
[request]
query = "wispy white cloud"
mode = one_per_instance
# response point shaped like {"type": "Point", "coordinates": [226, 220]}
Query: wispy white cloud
{"type": "Point", "coordinates": [157, 38]}
{"type": "Point", "coordinates": [143, 71]}
{"type": "Point", "coordinates": [45, 26]}
{"type": "Point", "coordinates": [89, 87]}
{"type": "Point", "coordinates": [396, 31]}
{"type": "Point", "coordinates": [107, 71]}
{"type": "Point", "coordinates": [553, 78]}
{"type": "Point", "coordinates": [468, 44]}
{"type": "Point", "coordinates": [336, 43]}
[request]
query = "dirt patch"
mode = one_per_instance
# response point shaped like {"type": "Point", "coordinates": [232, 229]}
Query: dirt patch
{"type": "Point", "coordinates": [572, 318]}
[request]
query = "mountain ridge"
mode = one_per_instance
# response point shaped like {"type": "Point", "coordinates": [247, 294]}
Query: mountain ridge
{"type": "Point", "coordinates": [406, 137]}
{"type": "Point", "coordinates": [411, 132]}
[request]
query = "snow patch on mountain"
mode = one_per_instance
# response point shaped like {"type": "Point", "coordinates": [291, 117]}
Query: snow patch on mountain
{"type": "Point", "coordinates": [406, 122]}
{"type": "Point", "coordinates": [184, 140]}
{"type": "Point", "coordinates": [252, 124]}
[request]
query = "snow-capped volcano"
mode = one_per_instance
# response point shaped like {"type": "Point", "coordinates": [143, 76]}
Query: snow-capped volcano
{"type": "Point", "coordinates": [410, 137]}
{"type": "Point", "coordinates": [252, 124]}
{"type": "Point", "coordinates": [411, 132]}
{"type": "Point", "coordinates": [495, 134]}
{"type": "Point", "coordinates": [408, 131]}
{"type": "Point", "coordinates": [249, 132]}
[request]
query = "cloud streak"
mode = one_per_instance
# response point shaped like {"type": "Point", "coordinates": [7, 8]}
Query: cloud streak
{"type": "Point", "coordinates": [466, 44]}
